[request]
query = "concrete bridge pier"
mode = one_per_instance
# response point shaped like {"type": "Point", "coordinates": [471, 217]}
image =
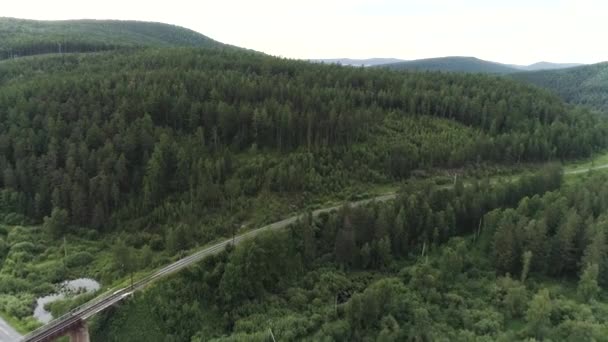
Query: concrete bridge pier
{"type": "Point", "coordinates": [80, 333]}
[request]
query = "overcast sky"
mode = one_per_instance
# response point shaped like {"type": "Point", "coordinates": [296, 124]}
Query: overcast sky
{"type": "Point", "coordinates": [508, 31]}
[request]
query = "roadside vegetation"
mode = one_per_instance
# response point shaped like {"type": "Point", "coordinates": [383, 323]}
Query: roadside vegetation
{"type": "Point", "coordinates": [514, 261]}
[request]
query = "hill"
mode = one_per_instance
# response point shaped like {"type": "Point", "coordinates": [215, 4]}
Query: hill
{"type": "Point", "coordinates": [453, 64]}
{"type": "Point", "coordinates": [545, 66]}
{"type": "Point", "coordinates": [139, 128]}
{"type": "Point", "coordinates": [358, 62]}
{"type": "Point", "coordinates": [472, 65]}
{"type": "Point", "coordinates": [19, 37]}
{"type": "Point", "coordinates": [122, 160]}
{"type": "Point", "coordinates": [585, 85]}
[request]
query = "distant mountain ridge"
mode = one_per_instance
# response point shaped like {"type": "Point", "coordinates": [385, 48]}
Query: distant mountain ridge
{"type": "Point", "coordinates": [545, 66]}
{"type": "Point", "coordinates": [453, 64]}
{"type": "Point", "coordinates": [448, 64]}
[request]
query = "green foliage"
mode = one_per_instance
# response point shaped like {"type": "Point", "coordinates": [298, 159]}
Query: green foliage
{"type": "Point", "coordinates": [57, 223]}
{"type": "Point", "coordinates": [514, 296]}
{"type": "Point", "coordinates": [34, 263]}
{"type": "Point", "coordinates": [17, 306]}
{"type": "Point", "coordinates": [61, 307]}
{"type": "Point", "coordinates": [158, 148]}
{"type": "Point", "coordinates": [585, 85]}
{"type": "Point", "coordinates": [538, 315]}
{"type": "Point", "coordinates": [452, 293]}
{"type": "Point", "coordinates": [587, 286]}
{"type": "Point", "coordinates": [179, 238]}
{"type": "Point", "coordinates": [180, 134]}
{"type": "Point", "coordinates": [378, 303]}
{"type": "Point", "coordinates": [574, 241]}
{"type": "Point", "coordinates": [124, 258]}
{"type": "Point", "coordinates": [453, 64]}
{"type": "Point", "coordinates": [28, 37]}
{"type": "Point", "coordinates": [79, 259]}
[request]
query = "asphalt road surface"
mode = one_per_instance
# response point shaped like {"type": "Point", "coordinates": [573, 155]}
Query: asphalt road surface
{"type": "Point", "coordinates": [7, 333]}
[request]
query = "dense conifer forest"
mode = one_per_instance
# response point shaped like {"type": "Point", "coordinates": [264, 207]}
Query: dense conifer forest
{"type": "Point", "coordinates": [138, 142]}
{"type": "Point", "coordinates": [585, 85]}
{"type": "Point", "coordinates": [90, 134]}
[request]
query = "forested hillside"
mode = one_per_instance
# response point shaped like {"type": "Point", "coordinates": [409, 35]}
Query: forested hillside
{"type": "Point", "coordinates": [453, 64]}
{"type": "Point", "coordinates": [546, 66]}
{"type": "Point", "coordinates": [585, 85]}
{"type": "Point", "coordinates": [149, 141]}
{"type": "Point", "coordinates": [20, 37]}
{"type": "Point", "coordinates": [177, 133]}
{"type": "Point", "coordinates": [514, 261]}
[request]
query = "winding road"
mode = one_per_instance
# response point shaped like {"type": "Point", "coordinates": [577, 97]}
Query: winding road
{"type": "Point", "coordinates": [79, 315]}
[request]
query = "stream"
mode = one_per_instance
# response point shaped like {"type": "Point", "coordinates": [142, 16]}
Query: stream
{"type": "Point", "coordinates": [69, 288]}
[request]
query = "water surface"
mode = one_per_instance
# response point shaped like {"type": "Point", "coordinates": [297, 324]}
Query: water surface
{"type": "Point", "coordinates": [68, 288]}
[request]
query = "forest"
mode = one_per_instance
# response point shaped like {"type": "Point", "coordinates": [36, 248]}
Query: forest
{"type": "Point", "coordinates": [453, 64]}
{"type": "Point", "coordinates": [586, 85]}
{"type": "Point", "coordinates": [116, 136]}
{"type": "Point", "coordinates": [521, 260]}
{"type": "Point", "coordinates": [127, 145]}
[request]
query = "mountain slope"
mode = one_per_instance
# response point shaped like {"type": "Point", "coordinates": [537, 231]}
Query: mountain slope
{"type": "Point", "coordinates": [145, 153]}
{"type": "Point", "coordinates": [125, 132]}
{"type": "Point", "coordinates": [19, 37]}
{"type": "Point", "coordinates": [453, 64]}
{"type": "Point", "coordinates": [585, 85]}
{"type": "Point", "coordinates": [545, 66]}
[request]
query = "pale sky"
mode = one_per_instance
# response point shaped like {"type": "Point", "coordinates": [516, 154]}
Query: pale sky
{"type": "Point", "coordinates": [508, 31]}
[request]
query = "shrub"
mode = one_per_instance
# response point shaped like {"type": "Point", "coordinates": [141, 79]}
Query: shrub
{"type": "Point", "coordinates": [10, 284]}
{"type": "Point", "coordinates": [79, 259]}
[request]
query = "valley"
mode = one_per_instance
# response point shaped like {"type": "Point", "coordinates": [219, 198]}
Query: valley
{"type": "Point", "coordinates": [453, 204]}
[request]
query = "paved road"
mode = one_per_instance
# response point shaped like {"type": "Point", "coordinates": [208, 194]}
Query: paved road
{"type": "Point", "coordinates": [7, 333]}
{"type": "Point", "coordinates": [78, 315]}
